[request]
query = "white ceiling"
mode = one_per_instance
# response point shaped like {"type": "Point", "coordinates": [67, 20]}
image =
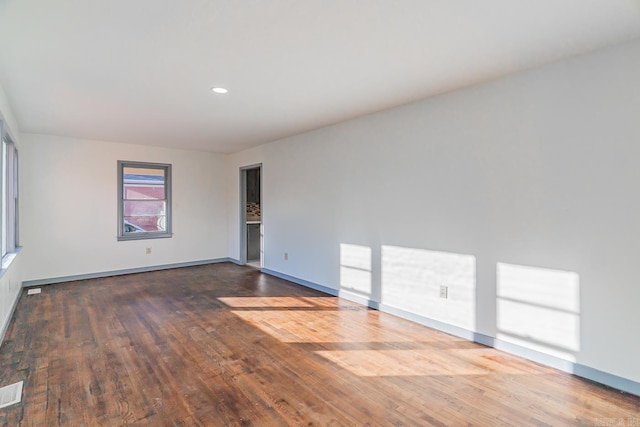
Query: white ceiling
{"type": "Point", "coordinates": [141, 71]}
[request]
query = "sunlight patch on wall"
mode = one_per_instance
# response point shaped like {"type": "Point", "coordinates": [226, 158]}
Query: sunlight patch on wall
{"type": "Point", "coordinates": [411, 280]}
{"type": "Point", "coordinates": [355, 269]}
{"type": "Point", "coordinates": [539, 308]}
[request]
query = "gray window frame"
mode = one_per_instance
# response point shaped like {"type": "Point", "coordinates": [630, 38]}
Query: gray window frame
{"type": "Point", "coordinates": [122, 236]}
{"type": "Point", "coordinates": [9, 205]}
{"type": "Point", "coordinates": [11, 175]}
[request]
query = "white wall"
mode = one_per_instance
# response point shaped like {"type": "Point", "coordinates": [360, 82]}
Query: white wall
{"type": "Point", "coordinates": [11, 280]}
{"type": "Point", "coordinates": [69, 207]}
{"type": "Point", "coordinates": [535, 175]}
{"type": "Point", "coordinates": [6, 114]}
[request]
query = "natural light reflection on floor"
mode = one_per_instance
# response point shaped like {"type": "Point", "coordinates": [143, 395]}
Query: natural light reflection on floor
{"type": "Point", "coordinates": [384, 363]}
{"type": "Point", "coordinates": [315, 326]}
{"type": "Point", "coordinates": [341, 332]}
{"type": "Point", "coordinates": [332, 302]}
{"type": "Point", "coordinates": [427, 361]}
{"type": "Point", "coordinates": [290, 302]}
{"type": "Point", "coordinates": [254, 302]}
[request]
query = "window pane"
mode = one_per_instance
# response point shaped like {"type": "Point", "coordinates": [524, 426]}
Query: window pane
{"type": "Point", "coordinates": [4, 204]}
{"type": "Point", "coordinates": [153, 172]}
{"type": "Point", "coordinates": [143, 183]}
{"type": "Point", "coordinates": [144, 215]}
{"type": "Point", "coordinates": [137, 191]}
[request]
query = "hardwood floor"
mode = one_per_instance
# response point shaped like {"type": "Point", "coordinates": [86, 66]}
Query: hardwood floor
{"type": "Point", "coordinates": [223, 345]}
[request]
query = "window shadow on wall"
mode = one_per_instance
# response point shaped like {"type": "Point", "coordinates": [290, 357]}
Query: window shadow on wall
{"type": "Point", "coordinates": [539, 308]}
{"type": "Point", "coordinates": [412, 280]}
{"type": "Point", "coordinates": [355, 269]}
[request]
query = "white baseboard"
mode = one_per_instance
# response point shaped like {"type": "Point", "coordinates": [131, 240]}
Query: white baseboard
{"type": "Point", "coordinates": [51, 281]}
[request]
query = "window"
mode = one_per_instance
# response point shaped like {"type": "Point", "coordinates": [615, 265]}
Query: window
{"type": "Point", "coordinates": [144, 200]}
{"type": "Point", "coordinates": [9, 200]}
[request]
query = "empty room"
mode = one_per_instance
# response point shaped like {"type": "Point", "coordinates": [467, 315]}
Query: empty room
{"type": "Point", "coordinates": [409, 212]}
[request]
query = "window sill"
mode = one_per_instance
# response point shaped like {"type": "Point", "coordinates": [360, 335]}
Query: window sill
{"type": "Point", "coordinates": [143, 236]}
{"type": "Point", "coordinates": [7, 260]}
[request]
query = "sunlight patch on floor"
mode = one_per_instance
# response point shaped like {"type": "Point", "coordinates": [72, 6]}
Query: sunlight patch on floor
{"type": "Point", "coordinates": [255, 302]}
{"type": "Point", "coordinates": [304, 326]}
{"type": "Point", "coordinates": [386, 363]}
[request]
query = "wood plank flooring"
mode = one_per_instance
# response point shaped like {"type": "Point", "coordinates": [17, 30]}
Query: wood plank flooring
{"type": "Point", "coordinates": [222, 345]}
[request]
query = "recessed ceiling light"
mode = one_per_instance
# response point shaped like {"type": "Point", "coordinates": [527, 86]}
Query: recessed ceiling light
{"type": "Point", "coordinates": [219, 90]}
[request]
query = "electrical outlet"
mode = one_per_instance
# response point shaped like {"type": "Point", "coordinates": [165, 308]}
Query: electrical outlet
{"type": "Point", "coordinates": [286, 256]}
{"type": "Point", "coordinates": [444, 291]}
{"type": "Point", "coordinates": [148, 251]}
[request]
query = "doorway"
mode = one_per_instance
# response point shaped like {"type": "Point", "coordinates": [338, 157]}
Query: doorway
{"type": "Point", "coordinates": [251, 247]}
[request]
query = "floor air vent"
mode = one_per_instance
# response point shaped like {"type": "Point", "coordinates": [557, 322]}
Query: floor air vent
{"type": "Point", "coordinates": [10, 394]}
{"type": "Point", "coordinates": [34, 291]}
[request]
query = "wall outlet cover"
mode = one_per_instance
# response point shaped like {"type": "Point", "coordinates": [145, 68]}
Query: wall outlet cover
{"type": "Point", "coordinates": [444, 291]}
